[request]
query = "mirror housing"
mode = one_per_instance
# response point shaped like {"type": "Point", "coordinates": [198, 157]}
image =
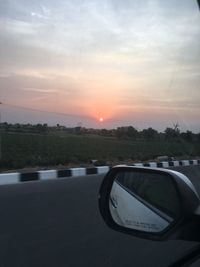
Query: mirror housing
{"type": "Point", "coordinates": [150, 203]}
{"type": "Point", "coordinates": [198, 1]}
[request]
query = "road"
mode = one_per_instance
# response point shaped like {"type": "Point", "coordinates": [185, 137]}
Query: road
{"type": "Point", "coordinates": [57, 223]}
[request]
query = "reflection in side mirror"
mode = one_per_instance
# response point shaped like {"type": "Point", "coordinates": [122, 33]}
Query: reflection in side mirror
{"type": "Point", "coordinates": [144, 201]}
{"type": "Point", "coordinates": [155, 204]}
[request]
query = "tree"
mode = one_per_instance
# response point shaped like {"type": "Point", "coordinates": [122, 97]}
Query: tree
{"type": "Point", "coordinates": [104, 132]}
{"type": "Point", "coordinates": [172, 132]}
{"type": "Point", "coordinates": [198, 136]}
{"type": "Point", "coordinates": [149, 133]}
{"type": "Point", "coordinates": [132, 132]}
{"type": "Point", "coordinates": [41, 128]}
{"type": "Point", "coordinates": [126, 132]}
{"type": "Point", "coordinates": [188, 136]}
{"type": "Point", "coordinates": [78, 129]}
{"type": "Point", "coordinates": [120, 132]}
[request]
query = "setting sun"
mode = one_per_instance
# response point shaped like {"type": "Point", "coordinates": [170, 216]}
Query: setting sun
{"type": "Point", "coordinates": [101, 119]}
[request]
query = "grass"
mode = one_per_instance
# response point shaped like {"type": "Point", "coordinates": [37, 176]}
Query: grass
{"type": "Point", "coordinates": [30, 150]}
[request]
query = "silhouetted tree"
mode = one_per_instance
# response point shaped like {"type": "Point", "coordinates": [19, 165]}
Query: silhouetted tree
{"type": "Point", "coordinates": [126, 132]}
{"type": "Point", "coordinates": [149, 133]}
{"type": "Point", "coordinates": [172, 132]}
{"type": "Point", "coordinates": [188, 136]}
{"type": "Point", "coordinates": [132, 132]}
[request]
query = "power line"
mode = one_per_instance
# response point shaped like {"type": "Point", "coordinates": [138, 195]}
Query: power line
{"type": "Point", "coordinates": [44, 111]}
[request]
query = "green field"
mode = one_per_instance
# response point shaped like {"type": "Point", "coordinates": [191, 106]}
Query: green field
{"type": "Point", "coordinates": [19, 150]}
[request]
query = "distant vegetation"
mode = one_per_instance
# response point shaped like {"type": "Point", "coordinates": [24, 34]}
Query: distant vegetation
{"type": "Point", "coordinates": [27, 145]}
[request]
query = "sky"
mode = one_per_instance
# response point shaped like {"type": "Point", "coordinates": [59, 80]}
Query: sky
{"type": "Point", "coordinates": [130, 62]}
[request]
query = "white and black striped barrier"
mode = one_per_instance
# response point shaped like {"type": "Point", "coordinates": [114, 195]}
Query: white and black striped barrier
{"type": "Point", "coordinates": [17, 177]}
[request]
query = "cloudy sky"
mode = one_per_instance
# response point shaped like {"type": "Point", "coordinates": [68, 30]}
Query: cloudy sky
{"type": "Point", "coordinates": [130, 62]}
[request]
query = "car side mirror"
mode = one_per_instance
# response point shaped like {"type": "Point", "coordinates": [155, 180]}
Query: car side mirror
{"type": "Point", "coordinates": [156, 204]}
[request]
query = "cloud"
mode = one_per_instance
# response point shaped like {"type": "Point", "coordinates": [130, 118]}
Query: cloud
{"type": "Point", "coordinates": [170, 100]}
{"type": "Point", "coordinates": [135, 53]}
{"type": "Point", "coordinates": [22, 89]}
{"type": "Point", "coordinates": [39, 90]}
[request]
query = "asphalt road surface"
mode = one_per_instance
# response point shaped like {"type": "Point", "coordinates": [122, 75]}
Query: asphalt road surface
{"type": "Point", "coordinates": [57, 223]}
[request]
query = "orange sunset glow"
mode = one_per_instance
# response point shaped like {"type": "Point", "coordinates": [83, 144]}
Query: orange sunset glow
{"type": "Point", "coordinates": [101, 61]}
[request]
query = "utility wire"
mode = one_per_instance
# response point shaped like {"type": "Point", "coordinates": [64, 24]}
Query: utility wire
{"type": "Point", "coordinates": [44, 111]}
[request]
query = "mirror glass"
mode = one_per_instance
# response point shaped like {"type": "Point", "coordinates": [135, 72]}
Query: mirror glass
{"type": "Point", "coordinates": [145, 201]}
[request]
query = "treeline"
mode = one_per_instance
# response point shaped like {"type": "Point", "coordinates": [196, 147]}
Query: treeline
{"type": "Point", "coordinates": [40, 145]}
{"type": "Point", "coordinates": [126, 132]}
